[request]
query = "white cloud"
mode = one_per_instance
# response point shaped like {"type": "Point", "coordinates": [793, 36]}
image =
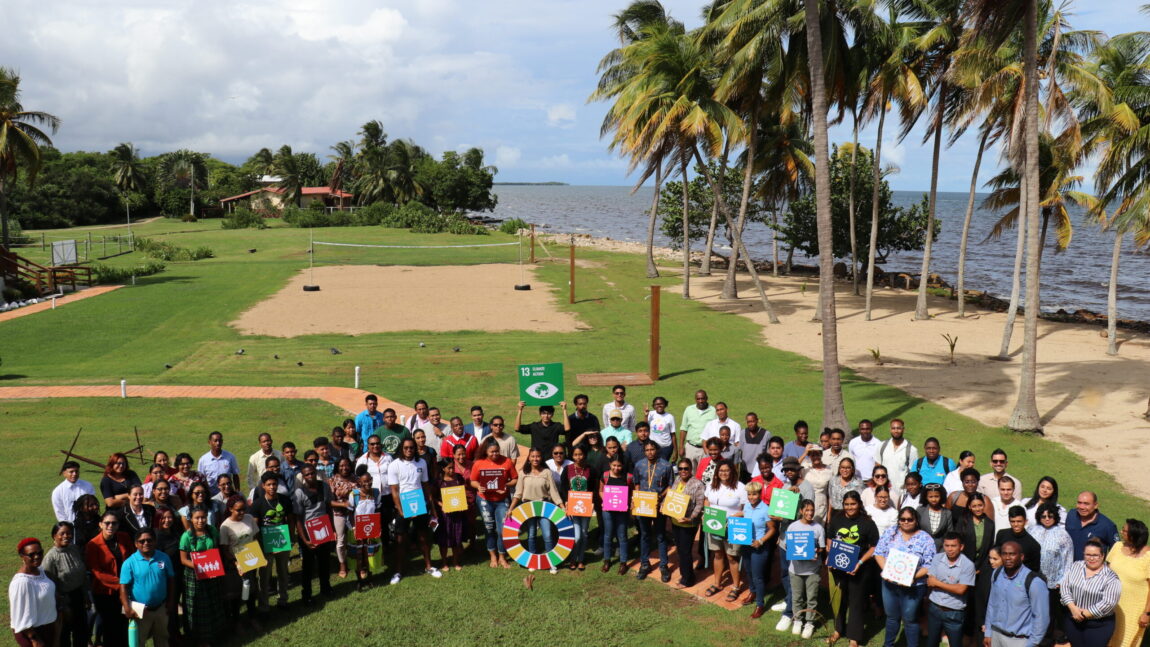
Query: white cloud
{"type": "Point", "coordinates": [561, 115]}
{"type": "Point", "coordinates": [507, 156]}
{"type": "Point", "coordinates": [560, 161]}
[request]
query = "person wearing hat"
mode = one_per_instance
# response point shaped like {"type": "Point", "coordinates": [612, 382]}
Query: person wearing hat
{"type": "Point", "coordinates": [32, 598]}
{"type": "Point", "coordinates": [616, 429]}
{"type": "Point", "coordinates": [793, 481]}
{"type": "Point", "coordinates": [619, 403]}
{"type": "Point", "coordinates": [818, 475]}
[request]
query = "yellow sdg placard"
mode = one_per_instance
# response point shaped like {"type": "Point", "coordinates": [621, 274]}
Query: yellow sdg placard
{"type": "Point", "coordinates": [454, 498]}
{"type": "Point", "coordinates": [644, 504]}
{"type": "Point", "coordinates": [675, 504]}
{"type": "Point", "coordinates": [250, 557]}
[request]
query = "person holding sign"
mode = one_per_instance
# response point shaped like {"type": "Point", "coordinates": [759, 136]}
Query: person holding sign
{"type": "Point", "coordinates": [412, 498]}
{"type": "Point", "coordinates": [237, 531]}
{"type": "Point", "coordinates": [491, 477]}
{"type": "Point", "coordinates": [579, 477]}
{"type": "Point", "coordinates": [546, 432]}
{"type": "Point", "coordinates": [452, 521]}
{"type": "Point", "coordinates": [148, 590]}
{"type": "Point", "coordinates": [729, 495]}
{"type": "Point", "coordinates": [203, 604]}
{"type": "Point", "coordinates": [805, 538]}
{"type": "Point", "coordinates": [765, 531]}
{"type": "Point", "coordinates": [896, 550]}
{"type": "Point", "coordinates": [653, 474]}
{"type": "Point", "coordinates": [275, 516]}
{"type": "Point", "coordinates": [615, 491]}
{"type": "Point", "coordinates": [312, 503]}
{"type": "Point", "coordinates": [537, 484]}
{"type": "Point", "coordinates": [690, 492]}
{"type": "Point", "coordinates": [851, 539]}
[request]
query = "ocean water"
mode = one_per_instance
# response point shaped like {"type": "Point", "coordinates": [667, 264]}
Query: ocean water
{"type": "Point", "coordinates": [1073, 279]}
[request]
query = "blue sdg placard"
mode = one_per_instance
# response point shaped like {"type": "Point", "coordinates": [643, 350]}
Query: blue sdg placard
{"type": "Point", "coordinates": [413, 503]}
{"type": "Point", "coordinates": [800, 544]}
{"type": "Point", "coordinates": [740, 531]}
{"type": "Point", "coordinates": [843, 556]}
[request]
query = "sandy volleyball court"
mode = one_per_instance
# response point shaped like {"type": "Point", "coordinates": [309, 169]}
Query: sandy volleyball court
{"type": "Point", "coordinates": [357, 299]}
{"type": "Point", "coordinates": [1091, 402]}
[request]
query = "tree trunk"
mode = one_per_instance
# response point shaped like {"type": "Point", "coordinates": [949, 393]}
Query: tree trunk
{"type": "Point", "coordinates": [706, 268]}
{"type": "Point", "coordinates": [920, 309]}
{"type": "Point", "coordinates": [775, 242]}
{"type": "Point", "coordinates": [966, 225]}
{"type": "Point", "coordinates": [1015, 281]}
{"type": "Point", "coordinates": [790, 260]}
{"type": "Point", "coordinates": [686, 229]}
{"type": "Point", "coordinates": [851, 210]}
{"type": "Point", "coordinates": [730, 287]}
{"type": "Point", "coordinates": [874, 209]}
{"type": "Point", "coordinates": [834, 411]}
{"type": "Point", "coordinates": [4, 213]}
{"type": "Point", "coordinates": [1112, 298]}
{"type": "Point", "coordinates": [739, 246]}
{"type": "Point", "coordinates": [1025, 417]}
{"type": "Point", "coordinates": [652, 269]}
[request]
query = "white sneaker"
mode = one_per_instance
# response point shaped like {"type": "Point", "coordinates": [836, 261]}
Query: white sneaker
{"type": "Point", "coordinates": [554, 571]}
{"type": "Point", "coordinates": [395, 579]}
{"type": "Point", "coordinates": [797, 628]}
{"type": "Point", "coordinates": [781, 605]}
{"type": "Point", "coordinates": [808, 630]}
{"type": "Point", "coordinates": [434, 572]}
{"type": "Point", "coordinates": [784, 624]}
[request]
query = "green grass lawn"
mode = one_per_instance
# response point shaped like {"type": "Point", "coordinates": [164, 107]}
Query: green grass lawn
{"type": "Point", "coordinates": [181, 316]}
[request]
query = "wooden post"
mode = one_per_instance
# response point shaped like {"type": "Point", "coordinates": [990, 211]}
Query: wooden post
{"type": "Point", "coordinates": [532, 244]}
{"type": "Point", "coordinates": [571, 289]}
{"type": "Point", "coordinates": [43, 243]}
{"type": "Point", "coordinates": [654, 333]}
{"type": "Point", "coordinates": [104, 242]}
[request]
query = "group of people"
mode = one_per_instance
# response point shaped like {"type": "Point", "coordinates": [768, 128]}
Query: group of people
{"type": "Point", "coordinates": [939, 547]}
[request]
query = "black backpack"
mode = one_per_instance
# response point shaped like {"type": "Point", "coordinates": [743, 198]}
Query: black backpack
{"type": "Point", "coordinates": [1030, 577]}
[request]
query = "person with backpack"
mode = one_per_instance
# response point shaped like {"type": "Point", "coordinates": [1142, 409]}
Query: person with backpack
{"type": "Point", "coordinates": [896, 453]}
{"type": "Point", "coordinates": [933, 467]}
{"type": "Point", "coordinates": [1019, 608]}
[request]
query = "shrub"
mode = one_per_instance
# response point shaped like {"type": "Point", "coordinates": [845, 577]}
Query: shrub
{"type": "Point", "coordinates": [244, 219]}
{"type": "Point", "coordinates": [103, 274]}
{"type": "Point", "coordinates": [166, 251]}
{"type": "Point", "coordinates": [187, 217]}
{"type": "Point", "coordinates": [513, 226]}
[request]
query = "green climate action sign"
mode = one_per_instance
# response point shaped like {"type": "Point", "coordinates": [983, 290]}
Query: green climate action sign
{"type": "Point", "coordinates": [541, 384]}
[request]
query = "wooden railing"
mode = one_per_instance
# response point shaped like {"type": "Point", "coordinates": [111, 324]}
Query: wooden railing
{"type": "Point", "coordinates": [46, 280]}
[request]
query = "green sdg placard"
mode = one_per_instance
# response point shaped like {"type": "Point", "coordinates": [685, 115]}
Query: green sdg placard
{"type": "Point", "coordinates": [541, 384]}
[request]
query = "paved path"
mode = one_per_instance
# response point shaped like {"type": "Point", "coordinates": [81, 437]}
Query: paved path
{"type": "Point", "coordinates": [46, 304]}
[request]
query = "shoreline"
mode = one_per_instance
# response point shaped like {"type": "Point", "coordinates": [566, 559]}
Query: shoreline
{"type": "Point", "coordinates": [974, 298]}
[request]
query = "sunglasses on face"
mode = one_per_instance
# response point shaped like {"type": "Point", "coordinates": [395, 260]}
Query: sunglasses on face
{"type": "Point", "coordinates": [36, 554]}
{"type": "Point", "coordinates": [907, 520]}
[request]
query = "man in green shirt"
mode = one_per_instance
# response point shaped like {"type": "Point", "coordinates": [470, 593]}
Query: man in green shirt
{"type": "Point", "coordinates": [391, 434]}
{"type": "Point", "coordinates": [695, 418]}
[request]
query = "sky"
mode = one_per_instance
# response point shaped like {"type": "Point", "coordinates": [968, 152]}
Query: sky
{"type": "Point", "coordinates": [229, 77]}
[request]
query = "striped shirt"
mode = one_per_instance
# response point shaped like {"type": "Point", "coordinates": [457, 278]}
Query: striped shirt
{"type": "Point", "coordinates": [1097, 595]}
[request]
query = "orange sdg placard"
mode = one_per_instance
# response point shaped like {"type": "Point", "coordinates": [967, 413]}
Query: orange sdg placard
{"type": "Point", "coordinates": [644, 504]}
{"type": "Point", "coordinates": [580, 504]}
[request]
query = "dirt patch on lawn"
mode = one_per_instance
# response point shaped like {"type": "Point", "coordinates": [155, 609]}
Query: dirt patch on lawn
{"type": "Point", "coordinates": [357, 299]}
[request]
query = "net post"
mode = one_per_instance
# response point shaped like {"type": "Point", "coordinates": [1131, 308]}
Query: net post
{"type": "Point", "coordinates": [532, 243]}
{"type": "Point", "coordinates": [571, 290]}
{"type": "Point", "coordinates": [654, 370]}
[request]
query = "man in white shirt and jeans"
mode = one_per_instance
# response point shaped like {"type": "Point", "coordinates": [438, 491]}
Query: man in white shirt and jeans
{"type": "Point", "coordinates": [896, 454]}
{"type": "Point", "coordinates": [70, 489]}
{"type": "Point", "coordinates": [863, 449]}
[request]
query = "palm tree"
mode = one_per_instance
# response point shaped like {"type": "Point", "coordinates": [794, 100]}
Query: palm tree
{"type": "Point", "coordinates": [344, 171]}
{"type": "Point", "coordinates": [185, 168]}
{"type": "Point", "coordinates": [834, 411]}
{"type": "Point", "coordinates": [262, 162]}
{"type": "Point", "coordinates": [1120, 120]}
{"type": "Point", "coordinates": [291, 175]}
{"type": "Point", "coordinates": [21, 137]}
{"type": "Point", "coordinates": [127, 174]}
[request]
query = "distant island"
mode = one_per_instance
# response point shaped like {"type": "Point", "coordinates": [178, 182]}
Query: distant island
{"type": "Point", "coordinates": [531, 184]}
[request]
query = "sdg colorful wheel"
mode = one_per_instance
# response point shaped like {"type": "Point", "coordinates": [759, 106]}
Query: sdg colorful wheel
{"type": "Point", "coordinates": [538, 510]}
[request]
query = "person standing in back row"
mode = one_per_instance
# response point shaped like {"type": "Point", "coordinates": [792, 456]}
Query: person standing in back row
{"type": "Point", "coordinates": [620, 402]}
{"type": "Point", "coordinates": [896, 453]}
{"type": "Point", "coordinates": [218, 461]}
{"type": "Point", "coordinates": [1019, 608]}
{"type": "Point", "coordinates": [545, 433]}
{"type": "Point", "coordinates": [694, 420]}
{"type": "Point", "coordinates": [368, 420]}
{"type": "Point", "coordinates": [863, 449]}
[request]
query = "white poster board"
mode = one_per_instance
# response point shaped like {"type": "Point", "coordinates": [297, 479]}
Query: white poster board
{"type": "Point", "coordinates": [900, 567]}
{"type": "Point", "coordinates": [63, 252]}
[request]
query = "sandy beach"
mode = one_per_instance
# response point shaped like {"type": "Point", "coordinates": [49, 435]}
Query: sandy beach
{"type": "Point", "coordinates": [1091, 402]}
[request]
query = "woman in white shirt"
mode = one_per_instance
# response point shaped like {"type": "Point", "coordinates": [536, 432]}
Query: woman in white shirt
{"type": "Point", "coordinates": [728, 494]}
{"type": "Point", "coordinates": [882, 512]}
{"type": "Point", "coordinates": [32, 598]}
{"type": "Point", "coordinates": [662, 427]}
{"type": "Point", "coordinates": [557, 463]}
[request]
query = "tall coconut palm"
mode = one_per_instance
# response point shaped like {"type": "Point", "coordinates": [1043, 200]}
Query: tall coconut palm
{"type": "Point", "coordinates": [291, 176]}
{"type": "Point", "coordinates": [185, 168]}
{"type": "Point", "coordinates": [262, 162]}
{"type": "Point", "coordinates": [21, 137]}
{"type": "Point", "coordinates": [127, 174]}
{"type": "Point", "coordinates": [619, 70]}
{"type": "Point", "coordinates": [834, 411]}
{"type": "Point", "coordinates": [343, 174]}
{"type": "Point", "coordinates": [1120, 121]}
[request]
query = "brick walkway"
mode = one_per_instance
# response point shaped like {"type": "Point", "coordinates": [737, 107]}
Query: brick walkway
{"type": "Point", "coordinates": [60, 301]}
{"type": "Point", "coordinates": [348, 399]}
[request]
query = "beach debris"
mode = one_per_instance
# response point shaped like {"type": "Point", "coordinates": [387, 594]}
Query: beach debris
{"type": "Point", "coordinates": [336, 351]}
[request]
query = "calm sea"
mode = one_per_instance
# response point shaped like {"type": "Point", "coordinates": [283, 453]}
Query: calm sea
{"type": "Point", "coordinates": [1076, 278]}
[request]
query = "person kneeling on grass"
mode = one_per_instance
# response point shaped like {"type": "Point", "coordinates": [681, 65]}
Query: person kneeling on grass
{"type": "Point", "coordinates": [408, 473]}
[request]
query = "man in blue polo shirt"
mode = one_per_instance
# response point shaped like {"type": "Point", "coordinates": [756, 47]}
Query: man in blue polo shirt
{"type": "Point", "coordinates": [1019, 610]}
{"type": "Point", "coordinates": [147, 578]}
{"type": "Point", "coordinates": [1085, 522]}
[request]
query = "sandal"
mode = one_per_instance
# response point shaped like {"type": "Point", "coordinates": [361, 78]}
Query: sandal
{"type": "Point", "coordinates": [832, 639]}
{"type": "Point", "coordinates": [733, 595]}
{"type": "Point", "coordinates": [711, 590]}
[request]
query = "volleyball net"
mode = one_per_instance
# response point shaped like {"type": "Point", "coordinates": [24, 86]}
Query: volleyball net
{"type": "Point", "coordinates": [339, 253]}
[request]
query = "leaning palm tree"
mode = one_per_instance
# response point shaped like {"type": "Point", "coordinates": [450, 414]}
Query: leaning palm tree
{"type": "Point", "coordinates": [127, 174]}
{"type": "Point", "coordinates": [291, 175]}
{"type": "Point", "coordinates": [834, 411]}
{"type": "Point", "coordinates": [21, 137]}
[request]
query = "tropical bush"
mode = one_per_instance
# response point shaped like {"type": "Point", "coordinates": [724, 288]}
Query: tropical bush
{"type": "Point", "coordinates": [105, 274]}
{"type": "Point", "coordinates": [166, 251]}
{"type": "Point", "coordinates": [243, 219]}
{"type": "Point", "coordinates": [513, 226]}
